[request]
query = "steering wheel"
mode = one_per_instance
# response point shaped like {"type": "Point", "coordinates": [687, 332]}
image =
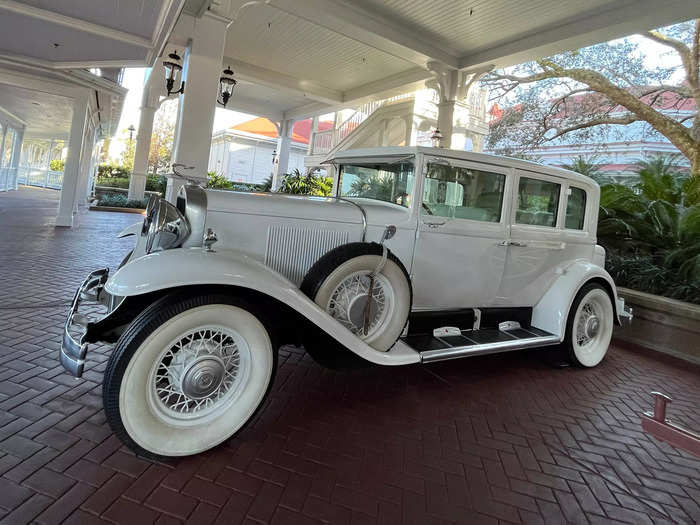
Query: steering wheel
{"type": "Point", "coordinates": [425, 207]}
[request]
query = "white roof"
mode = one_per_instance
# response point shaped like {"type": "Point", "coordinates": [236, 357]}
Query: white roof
{"type": "Point", "coordinates": [483, 158]}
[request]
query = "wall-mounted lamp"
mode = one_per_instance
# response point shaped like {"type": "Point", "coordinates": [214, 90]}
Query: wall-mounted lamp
{"type": "Point", "coordinates": [436, 138]}
{"type": "Point", "coordinates": [226, 85]}
{"type": "Point", "coordinates": [173, 74]}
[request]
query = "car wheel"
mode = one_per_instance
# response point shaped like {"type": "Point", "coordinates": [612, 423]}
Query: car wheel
{"type": "Point", "coordinates": [339, 283]}
{"type": "Point", "coordinates": [187, 374]}
{"type": "Point", "coordinates": [589, 326]}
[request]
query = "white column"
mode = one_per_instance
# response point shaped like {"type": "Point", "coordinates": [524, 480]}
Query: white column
{"type": "Point", "coordinates": [85, 167]}
{"type": "Point", "coordinates": [137, 183]}
{"type": "Point", "coordinates": [4, 172]}
{"type": "Point", "coordinates": [282, 164]}
{"type": "Point", "coordinates": [445, 122]}
{"type": "Point", "coordinates": [312, 133]}
{"type": "Point", "coordinates": [198, 103]}
{"type": "Point", "coordinates": [17, 152]}
{"type": "Point", "coordinates": [71, 172]}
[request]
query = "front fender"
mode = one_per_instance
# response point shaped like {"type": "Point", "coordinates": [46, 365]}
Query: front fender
{"type": "Point", "coordinates": [552, 311]}
{"type": "Point", "coordinates": [195, 266]}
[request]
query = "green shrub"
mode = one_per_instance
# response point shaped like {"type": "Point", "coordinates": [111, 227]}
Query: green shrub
{"type": "Point", "coordinates": [310, 184]}
{"type": "Point", "coordinates": [640, 272]}
{"type": "Point", "coordinates": [113, 182]}
{"type": "Point", "coordinates": [112, 170]}
{"type": "Point", "coordinates": [118, 200]}
{"type": "Point", "coordinates": [218, 181]}
{"type": "Point", "coordinates": [157, 183]}
{"type": "Point", "coordinates": [57, 165]}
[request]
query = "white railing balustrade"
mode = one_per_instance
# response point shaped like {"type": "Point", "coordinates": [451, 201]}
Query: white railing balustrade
{"type": "Point", "coordinates": [8, 179]}
{"type": "Point", "coordinates": [41, 177]}
{"type": "Point", "coordinates": [323, 141]}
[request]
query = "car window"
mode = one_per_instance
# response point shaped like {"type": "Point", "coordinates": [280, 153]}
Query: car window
{"type": "Point", "coordinates": [538, 201]}
{"type": "Point", "coordinates": [575, 209]}
{"type": "Point", "coordinates": [463, 193]}
{"type": "Point", "coordinates": [388, 182]}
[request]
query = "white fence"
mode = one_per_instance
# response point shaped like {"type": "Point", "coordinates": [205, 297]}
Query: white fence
{"type": "Point", "coordinates": [8, 179]}
{"type": "Point", "coordinates": [44, 178]}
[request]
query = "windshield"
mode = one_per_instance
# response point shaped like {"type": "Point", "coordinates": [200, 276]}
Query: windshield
{"type": "Point", "coordinates": [380, 181]}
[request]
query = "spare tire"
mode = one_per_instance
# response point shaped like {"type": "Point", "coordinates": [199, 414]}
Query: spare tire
{"type": "Point", "coordinates": [339, 283]}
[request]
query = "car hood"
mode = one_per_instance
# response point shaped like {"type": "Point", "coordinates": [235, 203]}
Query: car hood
{"type": "Point", "coordinates": [305, 207]}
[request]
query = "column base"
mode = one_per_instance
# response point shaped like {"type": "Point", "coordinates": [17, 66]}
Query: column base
{"type": "Point", "coordinates": [64, 221]}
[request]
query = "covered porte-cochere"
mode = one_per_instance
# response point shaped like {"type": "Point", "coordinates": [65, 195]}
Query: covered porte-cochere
{"type": "Point", "coordinates": [284, 60]}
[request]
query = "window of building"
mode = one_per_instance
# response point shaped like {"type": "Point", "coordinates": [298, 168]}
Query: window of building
{"type": "Point", "coordinates": [575, 209]}
{"type": "Point", "coordinates": [538, 201]}
{"type": "Point", "coordinates": [463, 193]}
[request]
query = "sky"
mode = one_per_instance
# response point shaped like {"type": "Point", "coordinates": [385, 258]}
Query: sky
{"type": "Point", "coordinates": [655, 54]}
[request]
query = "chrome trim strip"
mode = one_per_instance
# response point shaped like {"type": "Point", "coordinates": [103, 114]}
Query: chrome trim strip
{"type": "Point", "coordinates": [455, 352]}
{"type": "Point", "coordinates": [364, 215]}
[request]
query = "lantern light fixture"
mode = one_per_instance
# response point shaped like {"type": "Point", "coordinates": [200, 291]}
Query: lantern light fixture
{"type": "Point", "coordinates": [173, 74]}
{"type": "Point", "coordinates": [436, 138]}
{"type": "Point", "coordinates": [226, 85]}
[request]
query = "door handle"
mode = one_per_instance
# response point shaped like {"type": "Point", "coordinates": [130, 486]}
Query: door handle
{"type": "Point", "coordinates": [512, 243]}
{"type": "Point", "coordinates": [435, 224]}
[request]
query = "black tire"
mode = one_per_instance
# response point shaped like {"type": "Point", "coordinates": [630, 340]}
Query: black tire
{"type": "Point", "coordinates": [145, 324]}
{"type": "Point", "coordinates": [598, 348]}
{"type": "Point", "coordinates": [322, 347]}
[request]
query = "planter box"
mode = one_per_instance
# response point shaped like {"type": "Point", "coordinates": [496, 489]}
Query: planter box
{"type": "Point", "coordinates": [114, 208]}
{"type": "Point", "coordinates": [661, 324]}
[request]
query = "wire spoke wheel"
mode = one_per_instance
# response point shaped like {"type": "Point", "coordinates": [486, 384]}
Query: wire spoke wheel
{"type": "Point", "coordinates": [198, 372]}
{"type": "Point", "coordinates": [349, 303]}
{"type": "Point", "coordinates": [590, 326]}
{"type": "Point", "coordinates": [187, 374]}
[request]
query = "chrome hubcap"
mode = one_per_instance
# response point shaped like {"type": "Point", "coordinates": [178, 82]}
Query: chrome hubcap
{"type": "Point", "coordinates": [592, 326]}
{"type": "Point", "coordinates": [203, 377]}
{"type": "Point", "coordinates": [199, 371]}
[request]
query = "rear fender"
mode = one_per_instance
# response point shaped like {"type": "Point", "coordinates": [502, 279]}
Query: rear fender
{"type": "Point", "coordinates": [194, 266]}
{"type": "Point", "coordinates": [552, 311]}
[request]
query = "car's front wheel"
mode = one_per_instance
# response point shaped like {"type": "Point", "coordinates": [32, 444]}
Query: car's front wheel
{"type": "Point", "coordinates": [590, 326]}
{"type": "Point", "coordinates": [187, 374]}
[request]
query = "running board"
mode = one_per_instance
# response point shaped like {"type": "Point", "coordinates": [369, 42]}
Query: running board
{"type": "Point", "coordinates": [477, 342]}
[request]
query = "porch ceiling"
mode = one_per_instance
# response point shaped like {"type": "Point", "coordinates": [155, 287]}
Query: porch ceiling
{"type": "Point", "coordinates": [323, 54]}
{"type": "Point", "coordinates": [78, 33]}
{"type": "Point", "coordinates": [44, 115]}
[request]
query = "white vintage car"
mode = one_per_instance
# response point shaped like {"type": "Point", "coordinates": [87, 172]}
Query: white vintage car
{"type": "Point", "coordinates": [423, 255]}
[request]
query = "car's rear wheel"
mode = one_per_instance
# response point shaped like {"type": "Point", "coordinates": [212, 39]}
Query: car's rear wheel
{"type": "Point", "coordinates": [187, 374]}
{"type": "Point", "coordinates": [340, 284]}
{"type": "Point", "coordinates": [589, 326]}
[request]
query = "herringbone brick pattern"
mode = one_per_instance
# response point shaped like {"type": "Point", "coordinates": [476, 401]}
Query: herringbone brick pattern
{"type": "Point", "coordinates": [498, 439]}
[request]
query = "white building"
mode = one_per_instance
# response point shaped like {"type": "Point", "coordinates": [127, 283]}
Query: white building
{"type": "Point", "coordinates": [249, 157]}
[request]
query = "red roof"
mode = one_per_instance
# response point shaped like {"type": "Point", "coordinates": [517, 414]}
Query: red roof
{"type": "Point", "coordinates": [265, 127]}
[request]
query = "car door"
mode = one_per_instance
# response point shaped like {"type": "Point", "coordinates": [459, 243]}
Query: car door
{"type": "Point", "coordinates": [459, 253]}
{"type": "Point", "coordinates": [537, 244]}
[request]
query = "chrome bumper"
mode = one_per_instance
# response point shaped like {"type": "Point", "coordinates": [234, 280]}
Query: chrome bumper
{"type": "Point", "coordinates": [624, 311]}
{"type": "Point", "coordinates": [73, 351]}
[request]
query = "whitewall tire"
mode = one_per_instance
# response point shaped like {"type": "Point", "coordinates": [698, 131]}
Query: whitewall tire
{"type": "Point", "coordinates": [340, 282]}
{"type": "Point", "coordinates": [590, 326]}
{"type": "Point", "coordinates": [187, 374]}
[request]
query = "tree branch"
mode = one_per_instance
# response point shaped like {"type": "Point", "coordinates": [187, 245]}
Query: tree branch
{"type": "Point", "coordinates": [689, 64]}
{"type": "Point", "coordinates": [627, 119]}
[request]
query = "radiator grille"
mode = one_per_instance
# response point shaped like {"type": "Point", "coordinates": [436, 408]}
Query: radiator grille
{"type": "Point", "coordinates": [292, 251]}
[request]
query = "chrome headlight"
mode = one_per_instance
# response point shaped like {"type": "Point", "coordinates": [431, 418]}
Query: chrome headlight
{"type": "Point", "coordinates": [164, 226]}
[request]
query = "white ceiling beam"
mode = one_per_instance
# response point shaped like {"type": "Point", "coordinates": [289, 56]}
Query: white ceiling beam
{"type": "Point", "coordinates": [167, 18]}
{"type": "Point", "coordinates": [386, 87]}
{"type": "Point", "coordinates": [74, 23]}
{"type": "Point", "coordinates": [369, 28]}
{"type": "Point", "coordinates": [599, 25]}
{"type": "Point", "coordinates": [253, 107]}
{"type": "Point", "coordinates": [275, 79]}
{"type": "Point", "coordinates": [15, 120]}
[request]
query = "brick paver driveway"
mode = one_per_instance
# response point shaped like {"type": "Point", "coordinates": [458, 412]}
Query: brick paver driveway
{"type": "Point", "coordinates": [506, 438]}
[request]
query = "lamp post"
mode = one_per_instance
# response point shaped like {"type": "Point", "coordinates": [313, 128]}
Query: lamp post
{"type": "Point", "coordinates": [131, 129]}
{"type": "Point", "coordinates": [436, 138]}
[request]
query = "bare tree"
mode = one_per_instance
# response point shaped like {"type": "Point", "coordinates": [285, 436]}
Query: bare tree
{"type": "Point", "coordinates": [593, 90]}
